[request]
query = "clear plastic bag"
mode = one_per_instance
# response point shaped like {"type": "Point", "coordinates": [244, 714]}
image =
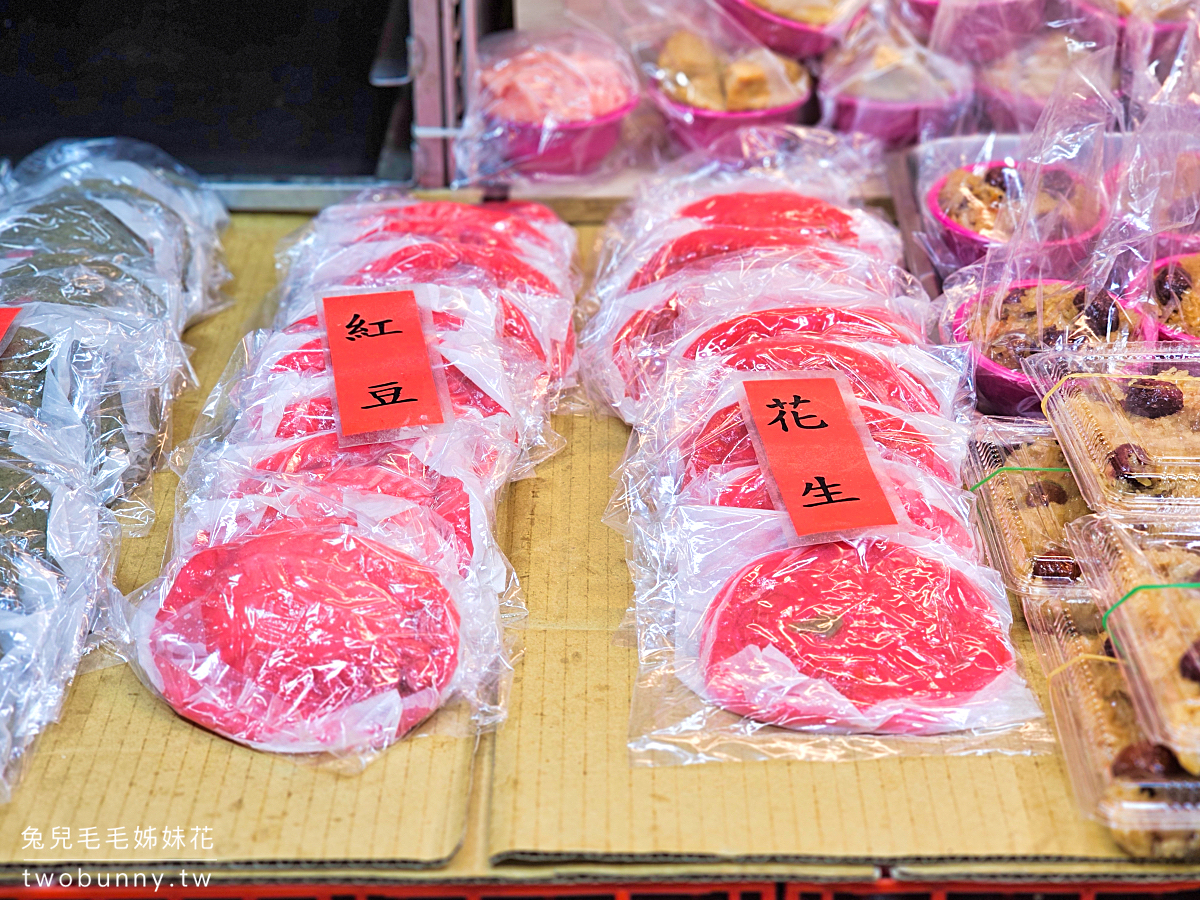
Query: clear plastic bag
{"type": "Point", "coordinates": [113, 375]}
{"type": "Point", "coordinates": [882, 82]}
{"type": "Point", "coordinates": [842, 294]}
{"type": "Point", "coordinates": [263, 638]}
{"type": "Point", "coordinates": [126, 162]}
{"type": "Point", "coordinates": [1035, 206]}
{"type": "Point", "coordinates": [499, 249]}
{"type": "Point", "coordinates": [833, 639]}
{"type": "Point", "coordinates": [1132, 786]}
{"type": "Point", "coordinates": [545, 105]}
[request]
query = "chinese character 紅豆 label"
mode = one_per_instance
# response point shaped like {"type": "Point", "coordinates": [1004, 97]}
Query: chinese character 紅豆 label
{"type": "Point", "coordinates": [387, 394]}
{"type": "Point", "coordinates": [358, 327]}
{"type": "Point", "coordinates": [812, 450]}
{"type": "Point", "coordinates": [383, 377]}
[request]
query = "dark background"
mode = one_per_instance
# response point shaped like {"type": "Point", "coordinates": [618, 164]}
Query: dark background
{"type": "Point", "coordinates": [227, 87]}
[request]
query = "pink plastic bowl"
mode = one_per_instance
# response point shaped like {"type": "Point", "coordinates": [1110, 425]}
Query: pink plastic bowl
{"type": "Point", "coordinates": [786, 37]}
{"type": "Point", "coordinates": [895, 123]}
{"type": "Point", "coordinates": [1141, 284]}
{"type": "Point", "coordinates": [696, 128]}
{"type": "Point", "coordinates": [1001, 391]}
{"type": "Point", "coordinates": [969, 246]}
{"type": "Point", "coordinates": [924, 12]}
{"type": "Point", "coordinates": [570, 148]}
{"type": "Point", "coordinates": [1009, 112]}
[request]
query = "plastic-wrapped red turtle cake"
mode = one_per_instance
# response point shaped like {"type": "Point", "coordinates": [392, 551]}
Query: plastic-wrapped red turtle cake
{"type": "Point", "coordinates": [529, 231]}
{"type": "Point", "coordinates": [303, 639]}
{"type": "Point", "coordinates": [783, 178]}
{"type": "Point", "coordinates": [934, 445]}
{"type": "Point", "coordinates": [828, 294]}
{"type": "Point", "coordinates": [875, 636]}
{"type": "Point", "coordinates": [903, 377]}
{"type": "Point", "coordinates": [536, 308]}
{"type": "Point", "coordinates": [326, 598]}
{"type": "Point", "coordinates": [934, 509]}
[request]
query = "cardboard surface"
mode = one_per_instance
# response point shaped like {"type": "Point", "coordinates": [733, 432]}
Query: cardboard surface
{"type": "Point", "coordinates": [120, 759]}
{"type": "Point", "coordinates": [564, 789]}
{"type": "Point", "coordinates": [554, 797]}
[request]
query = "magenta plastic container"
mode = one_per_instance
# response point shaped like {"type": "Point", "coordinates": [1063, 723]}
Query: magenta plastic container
{"type": "Point", "coordinates": [969, 246]}
{"type": "Point", "coordinates": [571, 148]}
{"type": "Point", "coordinates": [1166, 34]}
{"type": "Point", "coordinates": [992, 28]}
{"type": "Point", "coordinates": [1001, 391]}
{"type": "Point", "coordinates": [696, 128]}
{"type": "Point", "coordinates": [786, 37]}
{"type": "Point", "coordinates": [1009, 112]}
{"type": "Point", "coordinates": [1141, 283]}
{"type": "Point", "coordinates": [895, 123]}
{"type": "Point", "coordinates": [923, 13]}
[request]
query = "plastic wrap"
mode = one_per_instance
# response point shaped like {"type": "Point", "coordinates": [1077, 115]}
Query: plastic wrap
{"type": "Point", "coordinates": [500, 249]}
{"type": "Point", "coordinates": [107, 249]}
{"type": "Point", "coordinates": [1027, 495]}
{"type": "Point", "coordinates": [175, 186]}
{"type": "Point", "coordinates": [1132, 786]}
{"type": "Point", "coordinates": [1017, 51]}
{"type": "Point", "coordinates": [1124, 420]}
{"type": "Point", "coordinates": [800, 29]}
{"type": "Point", "coordinates": [841, 294]}
{"type": "Point", "coordinates": [830, 639]}
{"type": "Point", "coordinates": [544, 105]}
{"type": "Point", "coordinates": [1144, 582]}
{"type": "Point", "coordinates": [1148, 249]}
{"type": "Point", "coordinates": [57, 554]}
{"type": "Point", "coordinates": [706, 73]}
{"type": "Point", "coordinates": [1040, 203]}
{"type": "Point", "coordinates": [305, 637]}
{"type": "Point", "coordinates": [882, 82]}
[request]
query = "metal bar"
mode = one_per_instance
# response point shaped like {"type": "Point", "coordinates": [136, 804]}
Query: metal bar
{"type": "Point", "coordinates": [425, 62]}
{"type": "Point", "coordinates": [288, 195]}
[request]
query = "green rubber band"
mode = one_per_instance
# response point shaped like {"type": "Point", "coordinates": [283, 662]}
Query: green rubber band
{"type": "Point", "coordinates": [981, 482]}
{"type": "Point", "coordinates": [1194, 585]}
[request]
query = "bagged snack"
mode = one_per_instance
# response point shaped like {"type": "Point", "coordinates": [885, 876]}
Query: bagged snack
{"type": "Point", "coordinates": [837, 294]}
{"type": "Point", "coordinates": [222, 636]}
{"type": "Point", "coordinates": [1027, 495]}
{"type": "Point", "coordinates": [544, 104]}
{"type": "Point", "coordinates": [883, 83]}
{"type": "Point", "coordinates": [708, 75]}
{"type": "Point", "coordinates": [125, 162]}
{"type": "Point", "coordinates": [829, 639]}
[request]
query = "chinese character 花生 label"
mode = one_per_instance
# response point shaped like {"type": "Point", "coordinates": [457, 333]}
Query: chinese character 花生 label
{"type": "Point", "coordinates": [811, 444]}
{"type": "Point", "coordinates": [382, 374]}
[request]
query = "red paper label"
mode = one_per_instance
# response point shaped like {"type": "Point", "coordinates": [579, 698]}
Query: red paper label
{"type": "Point", "coordinates": [382, 373]}
{"type": "Point", "coordinates": [7, 314]}
{"type": "Point", "coordinates": [811, 441]}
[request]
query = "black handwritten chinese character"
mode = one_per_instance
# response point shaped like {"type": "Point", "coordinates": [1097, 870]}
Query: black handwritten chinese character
{"type": "Point", "coordinates": [799, 420]}
{"type": "Point", "coordinates": [357, 328]}
{"type": "Point", "coordinates": [825, 491]}
{"type": "Point", "coordinates": [387, 394]}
